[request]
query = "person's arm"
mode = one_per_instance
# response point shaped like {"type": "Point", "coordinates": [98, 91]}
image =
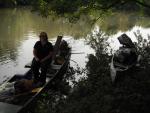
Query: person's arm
{"type": "Point", "coordinates": [47, 57]}
{"type": "Point", "coordinates": [35, 54]}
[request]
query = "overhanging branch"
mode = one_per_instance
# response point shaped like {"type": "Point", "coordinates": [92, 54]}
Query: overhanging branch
{"type": "Point", "coordinates": [114, 4]}
{"type": "Point", "coordinates": [142, 4]}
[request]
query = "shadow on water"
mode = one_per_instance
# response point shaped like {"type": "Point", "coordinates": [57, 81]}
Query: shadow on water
{"type": "Point", "coordinates": [95, 93]}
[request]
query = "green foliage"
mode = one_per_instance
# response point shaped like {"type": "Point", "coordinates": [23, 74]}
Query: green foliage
{"type": "Point", "coordinates": [73, 9]}
{"type": "Point", "coordinates": [8, 3]}
{"type": "Point", "coordinates": [95, 93]}
{"type": "Point", "coordinates": [62, 7]}
{"type": "Point", "coordinates": [13, 3]}
{"type": "Point", "coordinates": [131, 89]}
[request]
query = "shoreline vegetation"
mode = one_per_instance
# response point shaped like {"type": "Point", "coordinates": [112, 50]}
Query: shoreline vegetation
{"type": "Point", "coordinates": [72, 10]}
{"type": "Point", "coordinates": [95, 93]}
{"type": "Point", "coordinates": [77, 7]}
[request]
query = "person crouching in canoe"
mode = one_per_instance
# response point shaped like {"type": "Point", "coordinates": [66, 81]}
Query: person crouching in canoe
{"type": "Point", "coordinates": [43, 51]}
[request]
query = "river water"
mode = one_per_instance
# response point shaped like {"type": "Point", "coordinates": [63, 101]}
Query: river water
{"type": "Point", "coordinates": [20, 28]}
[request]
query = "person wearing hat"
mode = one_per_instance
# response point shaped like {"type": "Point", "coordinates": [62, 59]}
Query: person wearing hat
{"type": "Point", "coordinates": [42, 51]}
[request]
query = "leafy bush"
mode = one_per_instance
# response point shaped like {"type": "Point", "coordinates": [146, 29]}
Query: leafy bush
{"type": "Point", "coordinates": [95, 93]}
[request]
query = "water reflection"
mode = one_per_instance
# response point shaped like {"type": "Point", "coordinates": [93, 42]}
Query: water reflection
{"type": "Point", "coordinates": [122, 22]}
{"type": "Point", "coordinates": [19, 31]}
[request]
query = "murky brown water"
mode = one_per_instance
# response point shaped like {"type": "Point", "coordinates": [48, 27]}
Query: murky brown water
{"type": "Point", "coordinates": [20, 28]}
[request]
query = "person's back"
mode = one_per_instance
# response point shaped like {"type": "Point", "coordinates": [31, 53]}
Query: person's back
{"type": "Point", "coordinates": [126, 41]}
{"type": "Point", "coordinates": [63, 48]}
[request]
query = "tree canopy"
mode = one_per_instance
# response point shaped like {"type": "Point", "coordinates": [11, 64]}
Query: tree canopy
{"type": "Point", "coordinates": [62, 7]}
